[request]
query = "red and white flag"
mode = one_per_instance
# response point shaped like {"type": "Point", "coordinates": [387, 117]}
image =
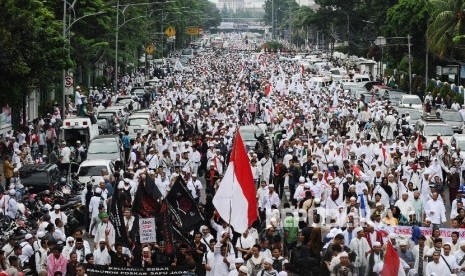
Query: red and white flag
{"type": "Point", "coordinates": [268, 89]}
{"type": "Point", "coordinates": [392, 265]}
{"type": "Point", "coordinates": [358, 171]}
{"type": "Point", "coordinates": [235, 199]}
{"type": "Point", "coordinates": [419, 144]}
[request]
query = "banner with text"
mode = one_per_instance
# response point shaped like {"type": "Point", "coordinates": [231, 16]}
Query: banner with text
{"type": "Point", "coordinates": [134, 271]}
{"type": "Point", "coordinates": [446, 233]}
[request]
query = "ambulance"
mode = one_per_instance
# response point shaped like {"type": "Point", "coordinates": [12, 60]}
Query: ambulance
{"type": "Point", "coordinates": [78, 129]}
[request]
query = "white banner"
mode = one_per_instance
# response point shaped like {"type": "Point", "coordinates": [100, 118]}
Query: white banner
{"type": "Point", "coordinates": [147, 230]}
{"type": "Point", "coordinates": [446, 233]}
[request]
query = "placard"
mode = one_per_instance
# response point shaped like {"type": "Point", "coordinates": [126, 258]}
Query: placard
{"type": "Point", "coordinates": [147, 230]}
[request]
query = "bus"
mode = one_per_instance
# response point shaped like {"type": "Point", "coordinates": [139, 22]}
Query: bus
{"type": "Point", "coordinates": [217, 42]}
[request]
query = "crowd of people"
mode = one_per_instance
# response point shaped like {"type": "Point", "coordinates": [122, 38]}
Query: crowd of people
{"type": "Point", "coordinates": [336, 179]}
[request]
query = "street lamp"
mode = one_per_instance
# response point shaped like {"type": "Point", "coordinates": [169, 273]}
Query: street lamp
{"type": "Point", "coordinates": [66, 29]}
{"type": "Point", "coordinates": [381, 41]}
{"type": "Point", "coordinates": [118, 26]}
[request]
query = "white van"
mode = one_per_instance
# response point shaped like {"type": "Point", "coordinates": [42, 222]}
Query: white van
{"type": "Point", "coordinates": [321, 81]}
{"type": "Point", "coordinates": [361, 78]}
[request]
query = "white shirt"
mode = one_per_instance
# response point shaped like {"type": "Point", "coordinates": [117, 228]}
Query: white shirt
{"type": "Point", "coordinates": [102, 257]}
{"type": "Point", "coordinates": [77, 98]}
{"type": "Point", "coordinates": [65, 155]}
{"type": "Point", "coordinates": [360, 247]}
{"type": "Point", "coordinates": [27, 252]}
{"type": "Point", "coordinates": [436, 211]}
{"type": "Point", "coordinates": [193, 186]}
{"type": "Point", "coordinates": [440, 269]}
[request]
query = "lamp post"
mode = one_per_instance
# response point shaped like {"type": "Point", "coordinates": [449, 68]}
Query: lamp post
{"type": "Point", "coordinates": [272, 19]}
{"type": "Point", "coordinates": [66, 29]}
{"type": "Point", "coordinates": [381, 41]}
{"type": "Point", "coordinates": [118, 26]}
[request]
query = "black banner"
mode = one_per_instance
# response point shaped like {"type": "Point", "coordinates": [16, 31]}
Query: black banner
{"type": "Point", "coordinates": [183, 206]}
{"type": "Point", "coordinates": [117, 218]}
{"type": "Point", "coordinates": [134, 271]}
{"type": "Point", "coordinates": [146, 200]}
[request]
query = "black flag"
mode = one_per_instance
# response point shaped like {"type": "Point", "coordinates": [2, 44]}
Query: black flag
{"type": "Point", "coordinates": [146, 200]}
{"type": "Point", "coordinates": [117, 218]}
{"type": "Point", "coordinates": [183, 207]}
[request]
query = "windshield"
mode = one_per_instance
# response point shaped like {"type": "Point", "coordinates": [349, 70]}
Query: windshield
{"type": "Point", "coordinates": [249, 135]}
{"type": "Point", "coordinates": [186, 52]}
{"type": "Point", "coordinates": [105, 146]}
{"type": "Point", "coordinates": [34, 177]}
{"type": "Point", "coordinates": [138, 122]}
{"type": "Point", "coordinates": [433, 130]}
{"type": "Point", "coordinates": [91, 170]}
{"type": "Point", "coordinates": [414, 114]}
{"type": "Point", "coordinates": [411, 100]}
{"type": "Point", "coordinates": [452, 116]}
{"type": "Point", "coordinates": [461, 145]}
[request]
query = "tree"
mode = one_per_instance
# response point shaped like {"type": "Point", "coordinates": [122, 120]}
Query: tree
{"type": "Point", "coordinates": [448, 22]}
{"type": "Point", "coordinates": [33, 49]}
{"type": "Point", "coordinates": [407, 17]}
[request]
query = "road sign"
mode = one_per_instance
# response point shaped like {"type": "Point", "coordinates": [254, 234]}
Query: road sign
{"type": "Point", "coordinates": [192, 31]}
{"type": "Point", "coordinates": [69, 82]}
{"type": "Point", "coordinates": [69, 91]}
{"type": "Point", "coordinates": [149, 50]}
{"type": "Point", "coordinates": [170, 32]}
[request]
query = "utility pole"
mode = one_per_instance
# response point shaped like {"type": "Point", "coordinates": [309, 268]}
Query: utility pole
{"type": "Point", "coordinates": [272, 19]}
{"type": "Point", "coordinates": [63, 95]}
{"type": "Point", "coordinates": [409, 63]}
{"type": "Point", "coordinates": [116, 47]}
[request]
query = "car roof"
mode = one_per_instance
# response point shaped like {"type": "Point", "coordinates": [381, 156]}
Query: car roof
{"type": "Point", "coordinates": [114, 107]}
{"type": "Point", "coordinates": [105, 138]}
{"type": "Point", "coordinates": [458, 136]}
{"type": "Point", "coordinates": [36, 167]}
{"type": "Point", "coordinates": [139, 116]}
{"type": "Point", "coordinates": [143, 111]}
{"type": "Point", "coordinates": [97, 162]}
{"type": "Point", "coordinates": [410, 96]}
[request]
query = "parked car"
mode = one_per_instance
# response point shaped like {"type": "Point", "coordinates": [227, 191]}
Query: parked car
{"type": "Point", "coordinates": [411, 101]}
{"type": "Point", "coordinates": [139, 92]}
{"type": "Point", "coordinates": [453, 118]}
{"type": "Point", "coordinates": [412, 112]}
{"type": "Point", "coordinates": [139, 123]}
{"type": "Point", "coordinates": [248, 134]}
{"type": "Point", "coordinates": [107, 148]}
{"type": "Point", "coordinates": [39, 177]}
{"type": "Point", "coordinates": [91, 170]}
{"type": "Point", "coordinates": [458, 141]}
{"type": "Point", "coordinates": [107, 123]}
{"type": "Point", "coordinates": [430, 127]}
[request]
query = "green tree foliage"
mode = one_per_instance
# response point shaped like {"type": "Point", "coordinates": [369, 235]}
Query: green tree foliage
{"type": "Point", "coordinates": [32, 48]}
{"type": "Point", "coordinates": [408, 17]}
{"type": "Point", "coordinates": [448, 22]}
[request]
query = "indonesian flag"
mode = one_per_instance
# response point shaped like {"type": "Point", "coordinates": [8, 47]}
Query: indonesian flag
{"type": "Point", "coordinates": [383, 150]}
{"type": "Point", "coordinates": [262, 52]}
{"type": "Point", "coordinates": [392, 265]}
{"type": "Point", "coordinates": [358, 171]}
{"type": "Point", "coordinates": [268, 89]}
{"type": "Point", "coordinates": [235, 199]}
{"type": "Point", "coordinates": [290, 132]}
{"type": "Point", "coordinates": [419, 144]}
{"type": "Point", "coordinates": [241, 73]}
